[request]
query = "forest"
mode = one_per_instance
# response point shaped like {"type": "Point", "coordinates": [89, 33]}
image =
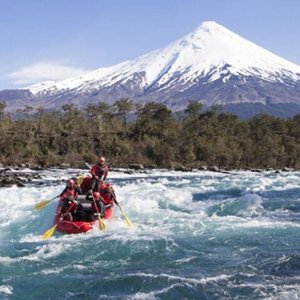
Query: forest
{"type": "Point", "coordinates": [148, 134]}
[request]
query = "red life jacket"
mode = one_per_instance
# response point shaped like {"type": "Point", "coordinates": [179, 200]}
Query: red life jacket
{"type": "Point", "coordinates": [100, 171]}
{"type": "Point", "coordinates": [68, 192]}
{"type": "Point", "coordinates": [107, 197]}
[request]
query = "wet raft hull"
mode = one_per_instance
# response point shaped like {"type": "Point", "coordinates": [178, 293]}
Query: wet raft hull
{"type": "Point", "coordinates": [71, 227]}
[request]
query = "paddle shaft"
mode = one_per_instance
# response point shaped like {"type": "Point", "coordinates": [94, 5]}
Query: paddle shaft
{"type": "Point", "coordinates": [42, 204]}
{"type": "Point", "coordinates": [65, 213]}
{"type": "Point", "coordinates": [51, 230]}
{"type": "Point", "coordinates": [120, 209]}
{"type": "Point", "coordinates": [54, 197]}
{"type": "Point", "coordinates": [117, 203]}
{"type": "Point", "coordinates": [94, 201]}
{"type": "Point", "coordinates": [101, 224]}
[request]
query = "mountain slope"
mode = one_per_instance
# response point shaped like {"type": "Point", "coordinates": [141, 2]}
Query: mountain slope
{"type": "Point", "coordinates": [211, 64]}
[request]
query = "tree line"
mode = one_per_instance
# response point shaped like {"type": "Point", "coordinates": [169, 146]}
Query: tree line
{"type": "Point", "coordinates": [148, 134]}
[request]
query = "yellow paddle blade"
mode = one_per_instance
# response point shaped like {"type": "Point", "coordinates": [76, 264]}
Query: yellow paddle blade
{"type": "Point", "coordinates": [101, 224]}
{"type": "Point", "coordinates": [80, 179]}
{"type": "Point", "coordinates": [129, 223]}
{"type": "Point", "coordinates": [47, 234]}
{"type": "Point", "coordinates": [41, 204]}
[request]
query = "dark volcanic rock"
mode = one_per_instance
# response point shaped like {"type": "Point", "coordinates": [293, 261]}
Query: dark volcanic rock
{"type": "Point", "coordinates": [213, 169]}
{"type": "Point", "coordinates": [9, 177]}
{"type": "Point", "coordinates": [136, 166]}
{"type": "Point", "coordinates": [183, 169]}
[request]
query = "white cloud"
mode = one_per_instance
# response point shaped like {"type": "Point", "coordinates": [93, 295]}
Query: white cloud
{"type": "Point", "coordinates": [44, 72]}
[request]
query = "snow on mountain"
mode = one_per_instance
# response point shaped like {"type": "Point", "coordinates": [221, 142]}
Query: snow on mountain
{"type": "Point", "coordinates": [211, 64]}
{"type": "Point", "coordinates": [203, 52]}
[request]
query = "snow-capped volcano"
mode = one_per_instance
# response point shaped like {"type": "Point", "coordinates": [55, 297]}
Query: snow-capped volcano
{"type": "Point", "coordinates": [211, 64]}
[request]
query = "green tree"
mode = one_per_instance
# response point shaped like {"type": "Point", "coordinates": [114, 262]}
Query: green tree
{"type": "Point", "coordinates": [123, 107]}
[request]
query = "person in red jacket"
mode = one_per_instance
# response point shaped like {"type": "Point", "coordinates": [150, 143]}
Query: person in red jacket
{"type": "Point", "coordinates": [104, 199]}
{"type": "Point", "coordinates": [69, 196]}
{"type": "Point", "coordinates": [108, 194]}
{"type": "Point", "coordinates": [99, 174]}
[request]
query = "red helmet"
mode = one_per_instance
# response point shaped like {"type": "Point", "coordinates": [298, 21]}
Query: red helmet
{"type": "Point", "coordinates": [96, 195]}
{"type": "Point", "coordinates": [70, 182]}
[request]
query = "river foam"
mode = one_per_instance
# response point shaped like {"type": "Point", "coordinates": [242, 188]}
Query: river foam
{"type": "Point", "coordinates": [196, 235]}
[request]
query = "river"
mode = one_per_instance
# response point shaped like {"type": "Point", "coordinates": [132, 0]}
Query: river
{"type": "Point", "coordinates": [196, 235]}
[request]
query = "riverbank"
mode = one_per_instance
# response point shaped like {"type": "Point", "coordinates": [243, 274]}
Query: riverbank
{"type": "Point", "coordinates": [24, 174]}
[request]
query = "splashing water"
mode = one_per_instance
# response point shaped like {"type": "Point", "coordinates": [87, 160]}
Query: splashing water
{"type": "Point", "coordinates": [197, 235]}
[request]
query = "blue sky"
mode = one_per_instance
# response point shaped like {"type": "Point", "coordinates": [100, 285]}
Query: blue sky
{"type": "Point", "coordinates": [56, 39]}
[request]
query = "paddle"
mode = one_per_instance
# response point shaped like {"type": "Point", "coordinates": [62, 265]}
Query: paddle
{"type": "Point", "coordinates": [42, 204]}
{"type": "Point", "coordinates": [88, 165]}
{"type": "Point", "coordinates": [80, 179]}
{"type": "Point", "coordinates": [101, 223]}
{"type": "Point", "coordinates": [129, 223]}
{"type": "Point", "coordinates": [47, 234]}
